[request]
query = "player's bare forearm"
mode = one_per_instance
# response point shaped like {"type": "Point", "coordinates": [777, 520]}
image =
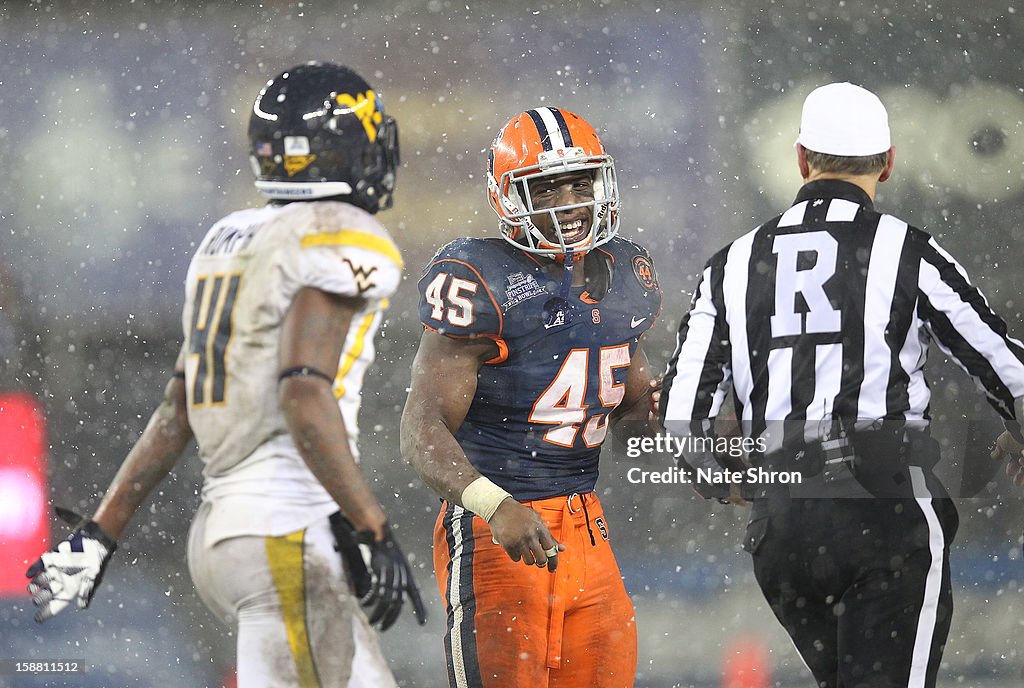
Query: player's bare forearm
{"type": "Point", "coordinates": [431, 449]}
{"type": "Point", "coordinates": [312, 338]}
{"type": "Point", "coordinates": [726, 423]}
{"type": "Point", "coordinates": [318, 430]}
{"type": "Point", "coordinates": [443, 385]}
{"type": "Point", "coordinates": [149, 461]}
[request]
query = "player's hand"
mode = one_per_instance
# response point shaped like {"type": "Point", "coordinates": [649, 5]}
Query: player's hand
{"type": "Point", "coordinates": [1008, 448]}
{"type": "Point", "coordinates": [380, 573]}
{"type": "Point", "coordinates": [735, 497]}
{"type": "Point", "coordinates": [654, 405]}
{"type": "Point", "coordinates": [524, 536]}
{"type": "Point", "coordinates": [72, 570]}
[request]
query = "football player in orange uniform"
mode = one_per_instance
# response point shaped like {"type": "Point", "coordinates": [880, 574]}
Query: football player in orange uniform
{"type": "Point", "coordinates": [530, 350]}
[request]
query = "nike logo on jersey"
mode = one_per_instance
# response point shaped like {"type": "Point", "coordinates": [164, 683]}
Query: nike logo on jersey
{"type": "Point", "coordinates": [636, 322]}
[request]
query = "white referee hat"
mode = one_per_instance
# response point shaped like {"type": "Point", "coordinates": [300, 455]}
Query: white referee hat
{"type": "Point", "coordinates": [844, 119]}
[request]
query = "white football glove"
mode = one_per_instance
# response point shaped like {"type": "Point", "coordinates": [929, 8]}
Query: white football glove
{"type": "Point", "coordinates": [72, 570]}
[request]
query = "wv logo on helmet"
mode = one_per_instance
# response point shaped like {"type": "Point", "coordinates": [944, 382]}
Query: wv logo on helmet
{"type": "Point", "coordinates": [363, 106]}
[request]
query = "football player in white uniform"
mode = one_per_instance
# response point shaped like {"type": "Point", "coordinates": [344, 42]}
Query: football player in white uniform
{"type": "Point", "coordinates": [282, 304]}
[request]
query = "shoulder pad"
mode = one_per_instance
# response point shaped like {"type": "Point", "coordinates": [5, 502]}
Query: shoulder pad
{"type": "Point", "coordinates": [635, 258]}
{"type": "Point", "coordinates": [455, 298]}
{"type": "Point", "coordinates": [347, 253]}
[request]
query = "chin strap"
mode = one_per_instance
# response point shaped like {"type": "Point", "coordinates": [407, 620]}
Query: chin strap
{"type": "Point", "coordinates": [557, 309]}
{"type": "Point", "coordinates": [563, 289]}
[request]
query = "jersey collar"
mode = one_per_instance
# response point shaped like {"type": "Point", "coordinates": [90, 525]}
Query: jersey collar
{"type": "Point", "coordinates": [834, 188]}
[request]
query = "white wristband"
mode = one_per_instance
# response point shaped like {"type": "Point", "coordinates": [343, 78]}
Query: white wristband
{"type": "Point", "coordinates": [482, 497]}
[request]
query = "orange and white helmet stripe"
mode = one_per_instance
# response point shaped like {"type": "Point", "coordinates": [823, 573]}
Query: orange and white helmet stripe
{"type": "Point", "coordinates": [548, 141]}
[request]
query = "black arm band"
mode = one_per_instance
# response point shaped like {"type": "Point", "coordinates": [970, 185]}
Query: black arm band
{"type": "Point", "coordinates": [305, 370]}
{"type": "Point", "coordinates": [180, 374]}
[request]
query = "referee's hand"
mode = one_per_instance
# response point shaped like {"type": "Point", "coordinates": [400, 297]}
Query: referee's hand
{"type": "Point", "coordinates": [1009, 449]}
{"type": "Point", "coordinates": [735, 496]}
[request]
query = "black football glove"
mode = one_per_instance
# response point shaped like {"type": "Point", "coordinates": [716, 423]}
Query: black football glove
{"type": "Point", "coordinates": [380, 573]}
{"type": "Point", "coordinates": [72, 570]}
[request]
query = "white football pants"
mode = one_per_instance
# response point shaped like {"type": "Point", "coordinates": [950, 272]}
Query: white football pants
{"type": "Point", "coordinates": [297, 621]}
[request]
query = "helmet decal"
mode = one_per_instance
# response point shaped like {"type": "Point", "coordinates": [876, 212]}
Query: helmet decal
{"type": "Point", "coordinates": [365, 108]}
{"type": "Point", "coordinates": [550, 123]}
{"type": "Point", "coordinates": [296, 154]}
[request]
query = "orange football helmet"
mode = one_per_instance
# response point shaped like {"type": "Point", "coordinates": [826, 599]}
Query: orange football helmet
{"type": "Point", "coordinates": [541, 142]}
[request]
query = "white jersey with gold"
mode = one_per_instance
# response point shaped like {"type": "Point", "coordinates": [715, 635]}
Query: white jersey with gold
{"type": "Point", "coordinates": [241, 282]}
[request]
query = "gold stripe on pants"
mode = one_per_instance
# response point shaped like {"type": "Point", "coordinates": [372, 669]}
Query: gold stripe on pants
{"type": "Point", "coordinates": [284, 556]}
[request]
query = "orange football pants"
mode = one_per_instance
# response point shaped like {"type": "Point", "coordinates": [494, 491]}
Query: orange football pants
{"type": "Point", "coordinates": [510, 624]}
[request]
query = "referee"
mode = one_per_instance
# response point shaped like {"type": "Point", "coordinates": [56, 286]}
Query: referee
{"type": "Point", "coordinates": [820, 321]}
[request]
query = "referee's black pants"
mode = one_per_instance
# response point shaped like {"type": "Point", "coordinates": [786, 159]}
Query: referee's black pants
{"type": "Point", "coordinates": [861, 585]}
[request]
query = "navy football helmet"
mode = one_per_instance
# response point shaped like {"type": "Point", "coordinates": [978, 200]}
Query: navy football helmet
{"type": "Point", "coordinates": [318, 130]}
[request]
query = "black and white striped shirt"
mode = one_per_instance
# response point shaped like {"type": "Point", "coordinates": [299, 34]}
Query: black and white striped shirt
{"type": "Point", "coordinates": [828, 311]}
